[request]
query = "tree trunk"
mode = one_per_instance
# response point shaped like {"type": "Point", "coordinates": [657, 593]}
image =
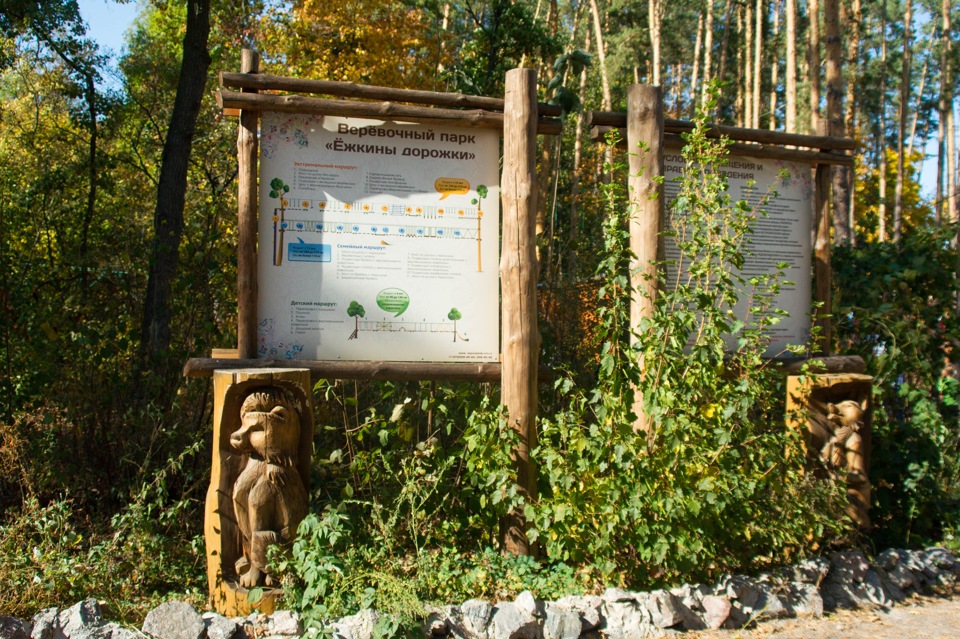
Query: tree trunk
{"type": "Point", "coordinates": [775, 65]}
{"type": "Point", "coordinates": [697, 52]}
{"type": "Point", "coordinates": [790, 96]}
{"type": "Point", "coordinates": [813, 62]}
{"type": "Point", "coordinates": [708, 48]}
{"type": "Point", "coordinates": [655, 20]}
{"type": "Point", "coordinates": [882, 133]}
{"type": "Point", "coordinates": [852, 17]}
{"type": "Point", "coordinates": [953, 202]}
{"type": "Point", "coordinates": [835, 121]}
{"type": "Point", "coordinates": [724, 45]}
{"type": "Point", "coordinates": [575, 178]}
{"type": "Point", "coordinates": [946, 113]}
{"type": "Point", "coordinates": [604, 78]}
{"type": "Point", "coordinates": [902, 128]}
{"type": "Point", "coordinates": [748, 67]}
{"type": "Point", "coordinates": [172, 186]}
{"type": "Point", "coordinates": [757, 63]}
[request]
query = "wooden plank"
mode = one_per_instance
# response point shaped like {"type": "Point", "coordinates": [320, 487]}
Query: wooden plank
{"type": "Point", "coordinates": [825, 142]}
{"type": "Point", "coordinates": [247, 153]}
{"type": "Point", "coordinates": [645, 142]}
{"type": "Point", "coordinates": [376, 110]}
{"type": "Point", "coordinates": [822, 274]}
{"type": "Point", "coordinates": [673, 140]}
{"type": "Point", "coordinates": [820, 365]}
{"type": "Point", "coordinates": [518, 282]}
{"type": "Point", "coordinates": [266, 82]}
{"type": "Point", "coordinates": [396, 371]}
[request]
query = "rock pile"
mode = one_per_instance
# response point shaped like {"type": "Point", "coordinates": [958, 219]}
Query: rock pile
{"type": "Point", "coordinates": [842, 580]}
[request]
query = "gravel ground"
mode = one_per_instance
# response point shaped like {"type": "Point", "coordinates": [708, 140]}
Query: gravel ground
{"type": "Point", "coordinates": [920, 618]}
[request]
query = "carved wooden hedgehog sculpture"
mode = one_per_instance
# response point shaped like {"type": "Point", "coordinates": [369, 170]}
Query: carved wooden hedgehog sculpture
{"type": "Point", "coordinates": [269, 496]}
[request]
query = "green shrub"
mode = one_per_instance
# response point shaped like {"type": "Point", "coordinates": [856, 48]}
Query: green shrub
{"type": "Point", "coordinates": [897, 308]}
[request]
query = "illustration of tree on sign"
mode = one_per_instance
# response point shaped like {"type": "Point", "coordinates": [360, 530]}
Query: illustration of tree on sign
{"type": "Point", "coordinates": [454, 315]}
{"type": "Point", "coordinates": [482, 192]}
{"type": "Point", "coordinates": [355, 310]}
{"type": "Point", "coordinates": [278, 190]}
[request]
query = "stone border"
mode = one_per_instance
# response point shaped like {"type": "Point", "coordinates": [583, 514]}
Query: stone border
{"type": "Point", "coordinates": [841, 580]}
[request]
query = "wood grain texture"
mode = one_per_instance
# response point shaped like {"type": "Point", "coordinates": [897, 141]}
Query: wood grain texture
{"type": "Point", "coordinates": [645, 145]}
{"type": "Point", "coordinates": [266, 82]}
{"type": "Point", "coordinates": [518, 280]}
{"type": "Point", "coordinates": [476, 118]}
{"type": "Point", "coordinates": [247, 152]}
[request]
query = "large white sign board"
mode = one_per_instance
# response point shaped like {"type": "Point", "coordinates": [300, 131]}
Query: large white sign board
{"type": "Point", "coordinates": [782, 236]}
{"type": "Point", "coordinates": [377, 240]}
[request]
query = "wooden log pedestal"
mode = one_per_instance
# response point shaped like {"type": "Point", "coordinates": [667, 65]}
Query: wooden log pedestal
{"type": "Point", "coordinates": [834, 412]}
{"type": "Point", "coordinates": [222, 531]}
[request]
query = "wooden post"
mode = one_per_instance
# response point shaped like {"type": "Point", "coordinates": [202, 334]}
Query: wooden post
{"type": "Point", "coordinates": [247, 151]}
{"type": "Point", "coordinates": [644, 145]}
{"type": "Point", "coordinates": [518, 281]}
{"type": "Point", "coordinates": [822, 272]}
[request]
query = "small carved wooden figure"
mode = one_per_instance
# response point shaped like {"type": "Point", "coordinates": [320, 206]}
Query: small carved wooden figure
{"type": "Point", "coordinates": [269, 495]}
{"type": "Point", "coordinates": [843, 452]}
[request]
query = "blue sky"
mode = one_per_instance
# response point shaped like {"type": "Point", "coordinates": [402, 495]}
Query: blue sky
{"type": "Point", "coordinates": [108, 21]}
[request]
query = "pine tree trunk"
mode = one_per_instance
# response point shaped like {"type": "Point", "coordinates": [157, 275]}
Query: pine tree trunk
{"type": "Point", "coordinates": [748, 67]}
{"type": "Point", "coordinates": [775, 65]}
{"type": "Point", "coordinates": [946, 114]}
{"type": "Point", "coordinates": [708, 48]}
{"type": "Point", "coordinates": [697, 53]}
{"type": "Point", "coordinates": [724, 45]}
{"type": "Point", "coordinates": [813, 62]}
{"type": "Point", "coordinates": [902, 128]}
{"type": "Point", "coordinates": [655, 18]}
{"type": "Point", "coordinates": [790, 97]}
{"type": "Point", "coordinates": [852, 17]}
{"type": "Point", "coordinates": [575, 179]}
{"type": "Point", "coordinates": [604, 78]}
{"type": "Point", "coordinates": [882, 133]}
{"type": "Point", "coordinates": [757, 62]}
{"type": "Point", "coordinates": [835, 120]}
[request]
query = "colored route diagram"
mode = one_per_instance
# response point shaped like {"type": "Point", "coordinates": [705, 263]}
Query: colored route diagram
{"type": "Point", "coordinates": [377, 240]}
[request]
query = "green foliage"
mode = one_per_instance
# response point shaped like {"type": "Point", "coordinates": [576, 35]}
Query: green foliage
{"type": "Point", "coordinates": [897, 308]}
{"type": "Point", "coordinates": [50, 556]}
{"type": "Point", "coordinates": [717, 484]}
